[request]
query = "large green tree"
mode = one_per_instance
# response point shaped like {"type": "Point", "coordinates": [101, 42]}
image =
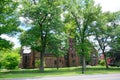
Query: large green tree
{"type": "Point", "coordinates": [83, 13]}
{"type": "Point", "coordinates": [8, 21]}
{"type": "Point", "coordinates": [115, 38]}
{"type": "Point", "coordinates": [45, 23]}
{"type": "Point", "coordinates": [114, 43]}
{"type": "Point", "coordinates": [57, 46]}
{"type": "Point", "coordinates": [104, 31]}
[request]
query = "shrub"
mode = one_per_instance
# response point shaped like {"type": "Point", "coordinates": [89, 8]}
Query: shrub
{"type": "Point", "coordinates": [10, 60]}
{"type": "Point", "coordinates": [102, 62]}
{"type": "Point", "coordinates": [37, 63]}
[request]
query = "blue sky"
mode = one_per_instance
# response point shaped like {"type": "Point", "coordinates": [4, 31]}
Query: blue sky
{"type": "Point", "coordinates": [107, 5]}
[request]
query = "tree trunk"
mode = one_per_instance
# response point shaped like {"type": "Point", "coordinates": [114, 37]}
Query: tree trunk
{"type": "Point", "coordinates": [57, 63]}
{"type": "Point", "coordinates": [83, 64]}
{"type": "Point", "coordinates": [41, 62]}
{"type": "Point", "coordinates": [105, 58]}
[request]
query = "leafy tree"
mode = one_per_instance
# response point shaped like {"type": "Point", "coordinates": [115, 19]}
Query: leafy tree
{"type": "Point", "coordinates": [113, 53]}
{"type": "Point", "coordinates": [115, 38]}
{"type": "Point", "coordinates": [57, 46]}
{"type": "Point", "coordinates": [8, 21]}
{"type": "Point", "coordinates": [83, 13]}
{"type": "Point", "coordinates": [4, 44]}
{"type": "Point", "coordinates": [46, 21]}
{"type": "Point", "coordinates": [104, 31]}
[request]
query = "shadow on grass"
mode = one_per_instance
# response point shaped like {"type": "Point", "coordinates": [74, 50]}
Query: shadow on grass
{"type": "Point", "coordinates": [36, 72]}
{"type": "Point", "coordinates": [20, 71]}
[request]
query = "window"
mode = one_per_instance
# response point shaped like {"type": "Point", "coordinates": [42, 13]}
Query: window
{"type": "Point", "coordinates": [55, 62]}
{"type": "Point", "coordinates": [73, 62]}
{"type": "Point", "coordinates": [60, 60]}
{"type": "Point", "coordinates": [72, 55]}
{"type": "Point", "coordinates": [66, 57]}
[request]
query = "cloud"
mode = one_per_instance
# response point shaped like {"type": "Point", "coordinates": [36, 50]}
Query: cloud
{"type": "Point", "coordinates": [109, 5]}
{"type": "Point", "coordinates": [12, 39]}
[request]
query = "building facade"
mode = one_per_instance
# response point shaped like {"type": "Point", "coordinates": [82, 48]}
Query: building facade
{"type": "Point", "coordinates": [29, 60]}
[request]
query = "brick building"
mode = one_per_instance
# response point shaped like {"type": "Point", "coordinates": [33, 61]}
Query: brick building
{"type": "Point", "coordinates": [28, 60]}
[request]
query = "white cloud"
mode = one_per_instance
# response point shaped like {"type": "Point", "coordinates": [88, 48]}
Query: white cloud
{"type": "Point", "coordinates": [12, 39]}
{"type": "Point", "coordinates": [109, 5]}
{"type": "Point", "coordinates": [22, 19]}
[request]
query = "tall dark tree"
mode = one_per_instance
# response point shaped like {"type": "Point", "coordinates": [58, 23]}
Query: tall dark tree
{"type": "Point", "coordinates": [115, 38]}
{"type": "Point", "coordinates": [57, 46]}
{"type": "Point", "coordinates": [104, 31]}
{"type": "Point", "coordinates": [45, 21]}
{"type": "Point", "coordinates": [83, 13]}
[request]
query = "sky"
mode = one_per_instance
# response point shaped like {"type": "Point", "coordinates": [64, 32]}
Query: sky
{"type": "Point", "coordinates": [107, 5]}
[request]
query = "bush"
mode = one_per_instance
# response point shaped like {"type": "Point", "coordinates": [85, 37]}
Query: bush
{"type": "Point", "coordinates": [37, 63]}
{"type": "Point", "coordinates": [10, 60]}
{"type": "Point", "coordinates": [102, 62]}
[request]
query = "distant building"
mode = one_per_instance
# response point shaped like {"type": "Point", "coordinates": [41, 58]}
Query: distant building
{"type": "Point", "coordinates": [28, 60]}
{"type": "Point", "coordinates": [113, 58]}
{"type": "Point", "coordinates": [103, 58]}
{"type": "Point", "coordinates": [94, 58]}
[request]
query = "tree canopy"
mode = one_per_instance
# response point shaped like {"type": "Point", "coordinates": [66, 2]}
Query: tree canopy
{"type": "Point", "coordinates": [46, 23]}
{"type": "Point", "coordinates": [8, 21]}
{"type": "Point", "coordinates": [83, 14]}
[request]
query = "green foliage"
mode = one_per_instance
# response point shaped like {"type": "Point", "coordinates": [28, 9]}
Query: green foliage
{"type": "Point", "coordinates": [37, 63]}
{"type": "Point", "coordinates": [82, 14]}
{"type": "Point", "coordinates": [104, 31]}
{"type": "Point", "coordinates": [46, 22]}
{"type": "Point", "coordinates": [4, 44]}
{"type": "Point", "coordinates": [9, 60]}
{"type": "Point", "coordinates": [8, 21]}
{"type": "Point", "coordinates": [115, 38]}
{"type": "Point", "coordinates": [102, 62]}
{"type": "Point", "coordinates": [57, 45]}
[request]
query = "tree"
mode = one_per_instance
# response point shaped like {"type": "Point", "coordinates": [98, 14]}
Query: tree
{"type": "Point", "coordinates": [57, 46]}
{"type": "Point", "coordinates": [115, 38]}
{"type": "Point", "coordinates": [113, 53]}
{"type": "Point", "coordinates": [84, 13]}
{"type": "Point", "coordinates": [46, 21]}
{"type": "Point", "coordinates": [104, 32]}
{"type": "Point", "coordinates": [8, 21]}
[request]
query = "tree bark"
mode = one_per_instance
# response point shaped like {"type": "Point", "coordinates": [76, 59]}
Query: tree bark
{"type": "Point", "coordinates": [105, 58]}
{"type": "Point", "coordinates": [83, 64]}
{"type": "Point", "coordinates": [57, 63]}
{"type": "Point", "coordinates": [41, 62]}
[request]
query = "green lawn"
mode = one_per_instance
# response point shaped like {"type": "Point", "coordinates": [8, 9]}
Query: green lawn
{"type": "Point", "coordinates": [54, 72]}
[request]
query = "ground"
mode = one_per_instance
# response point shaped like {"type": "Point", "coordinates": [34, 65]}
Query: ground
{"type": "Point", "coordinates": [80, 77]}
{"type": "Point", "coordinates": [54, 73]}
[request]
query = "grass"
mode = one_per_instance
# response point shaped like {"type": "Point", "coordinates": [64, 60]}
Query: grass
{"type": "Point", "coordinates": [24, 73]}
